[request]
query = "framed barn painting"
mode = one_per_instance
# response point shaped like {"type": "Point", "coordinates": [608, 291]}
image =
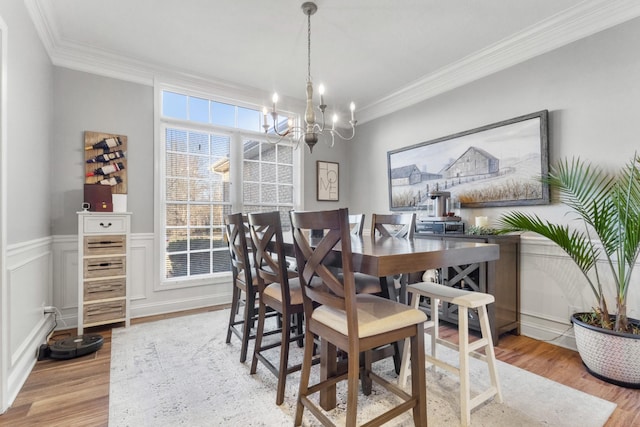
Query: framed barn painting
{"type": "Point", "coordinates": [494, 165]}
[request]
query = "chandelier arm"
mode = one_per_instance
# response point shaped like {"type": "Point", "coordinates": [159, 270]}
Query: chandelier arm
{"type": "Point", "coordinates": [345, 138]}
{"type": "Point", "coordinates": [274, 116]}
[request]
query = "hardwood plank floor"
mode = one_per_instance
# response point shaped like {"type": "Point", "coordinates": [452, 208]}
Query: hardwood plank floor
{"type": "Point", "coordinates": [75, 392]}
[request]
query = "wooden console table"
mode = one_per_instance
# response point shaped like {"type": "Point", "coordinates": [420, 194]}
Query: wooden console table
{"type": "Point", "coordinates": [500, 278]}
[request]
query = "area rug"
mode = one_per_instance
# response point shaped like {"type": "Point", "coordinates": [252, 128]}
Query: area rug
{"type": "Point", "coordinates": [180, 372]}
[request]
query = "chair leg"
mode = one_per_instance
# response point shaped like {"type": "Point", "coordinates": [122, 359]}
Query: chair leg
{"type": "Point", "coordinates": [249, 309]}
{"type": "Point", "coordinates": [285, 341]}
{"type": "Point", "coordinates": [235, 299]}
{"type": "Point", "coordinates": [304, 375]}
{"type": "Point", "coordinates": [259, 332]}
{"type": "Point", "coordinates": [418, 380]}
{"type": "Point", "coordinates": [300, 328]}
{"type": "Point", "coordinates": [352, 389]}
{"type": "Point", "coordinates": [367, 383]}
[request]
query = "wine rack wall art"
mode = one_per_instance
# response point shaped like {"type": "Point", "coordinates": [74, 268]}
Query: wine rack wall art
{"type": "Point", "coordinates": [105, 160]}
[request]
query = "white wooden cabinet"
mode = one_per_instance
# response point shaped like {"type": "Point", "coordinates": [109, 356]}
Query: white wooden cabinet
{"type": "Point", "coordinates": [103, 274]}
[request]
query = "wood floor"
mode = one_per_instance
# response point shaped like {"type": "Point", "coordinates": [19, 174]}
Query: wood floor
{"type": "Point", "coordinates": [75, 392]}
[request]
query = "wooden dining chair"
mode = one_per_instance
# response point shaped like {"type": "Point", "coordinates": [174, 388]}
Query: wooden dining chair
{"type": "Point", "coordinates": [279, 290]}
{"type": "Point", "coordinates": [400, 226]}
{"type": "Point", "coordinates": [356, 222]}
{"type": "Point", "coordinates": [240, 250]}
{"type": "Point", "coordinates": [393, 225]}
{"type": "Point", "coordinates": [352, 322]}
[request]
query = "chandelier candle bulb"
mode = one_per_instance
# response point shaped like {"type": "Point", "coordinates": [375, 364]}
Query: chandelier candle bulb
{"type": "Point", "coordinates": [275, 101]}
{"type": "Point", "coordinates": [321, 92]}
{"type": "Point", "coordinates": [352, 107]}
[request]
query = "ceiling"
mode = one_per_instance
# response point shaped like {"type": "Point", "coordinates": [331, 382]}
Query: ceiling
{"type": "Point", "coordinates": [382, 54]}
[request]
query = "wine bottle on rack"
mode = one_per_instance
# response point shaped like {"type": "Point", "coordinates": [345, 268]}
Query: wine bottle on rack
{"type": "Point", "coordinates": [107, 157]}
{"type": "Point", "coordinates": [105, 144]}
{"type": "Point", "coordinates": [107, 169]}
{"type": "Point", "coordinates": [114, 180]}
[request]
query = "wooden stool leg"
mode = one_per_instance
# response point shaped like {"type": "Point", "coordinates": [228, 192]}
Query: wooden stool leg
{"type": "Point", "coordinates": [435, 302]}
{"type": "Point", "coordinates": [404, 366]}
{"type": "Point", "coordinates": [465, 387]}
{"type": "Point", "coordinates": [489, 351]}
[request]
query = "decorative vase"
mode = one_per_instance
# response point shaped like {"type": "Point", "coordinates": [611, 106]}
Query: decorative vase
{"type": "Point", "coordinates": [608, 355]}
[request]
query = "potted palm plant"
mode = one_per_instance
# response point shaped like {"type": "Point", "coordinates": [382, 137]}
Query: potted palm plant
{"type": "Point", "coordinates": [608, 206]}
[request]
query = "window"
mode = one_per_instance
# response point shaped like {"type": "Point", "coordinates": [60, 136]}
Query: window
{"type": "Point", "coordinates": [206, 146]}
{"type": "Point", "coordinates": [268, 178]}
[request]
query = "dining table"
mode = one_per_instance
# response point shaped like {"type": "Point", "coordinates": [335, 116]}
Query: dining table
{"type": "Point", "coordinates": [384, 257]}
{"type": "Point", "coordinates": [389, 256]}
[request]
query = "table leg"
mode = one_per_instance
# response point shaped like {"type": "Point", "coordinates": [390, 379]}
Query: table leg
{"type": "Point", "coordinates": [328, 368]}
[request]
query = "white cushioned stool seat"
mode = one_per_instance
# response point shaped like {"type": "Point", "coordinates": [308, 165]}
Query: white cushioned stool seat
{"type": "Point", "coordinates": [464, 300]}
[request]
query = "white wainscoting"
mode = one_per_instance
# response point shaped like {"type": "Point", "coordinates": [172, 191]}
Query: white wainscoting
{"type": "Point", "coordinates": [552, 288]}
{"type": "Point", "coordinates": [29, 286]}
{"type": "Point", "coordinates": [145, 298]}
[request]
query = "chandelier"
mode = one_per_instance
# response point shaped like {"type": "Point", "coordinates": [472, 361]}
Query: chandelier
{"type": "Point", "coordinates": [311, 129]}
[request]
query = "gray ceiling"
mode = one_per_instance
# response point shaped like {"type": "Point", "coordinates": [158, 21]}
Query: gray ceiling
{"type": "Point", "coordinates": [382, 54]}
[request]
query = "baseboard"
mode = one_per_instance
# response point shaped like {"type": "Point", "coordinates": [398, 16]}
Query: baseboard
{"type": "Point", "coordinates": [25, 358]}
{"type": "Point", "coordinates": [548, 330]}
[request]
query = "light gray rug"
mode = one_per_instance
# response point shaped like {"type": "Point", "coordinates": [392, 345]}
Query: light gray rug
{"type": "Point", "coordinates": [179, 372]}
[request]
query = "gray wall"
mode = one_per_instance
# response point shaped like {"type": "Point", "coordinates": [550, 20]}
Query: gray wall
{"type": "Point", "coordinates": [590, 87]}
{"type": "Point", "coordinates": [89, 102]}
{"type": "Point", "coordinates": [29, 115]}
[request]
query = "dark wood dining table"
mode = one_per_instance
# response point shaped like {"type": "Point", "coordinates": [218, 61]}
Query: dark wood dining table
{"type": "Point", "coordinates": [389, 256]}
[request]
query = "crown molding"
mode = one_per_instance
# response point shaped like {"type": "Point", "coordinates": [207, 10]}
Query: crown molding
{"type": "Point", "coordinates": [585, 19]}
{"type": "Point", "coordinates": [582, 20]}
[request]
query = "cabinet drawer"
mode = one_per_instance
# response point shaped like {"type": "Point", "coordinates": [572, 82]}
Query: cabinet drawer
{"type": "Point", "coordinates": [104, 312]}
{"type": "Point", "coordinates": [105, 224]}
{"type": "Point", "coordinates": [104, 266]}
{"type": "Point", "coordinates": [104, 289]}
{"type": "Point", "coordinates": [105, 245]}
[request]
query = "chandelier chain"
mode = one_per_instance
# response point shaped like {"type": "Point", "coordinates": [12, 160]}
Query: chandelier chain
{"type": "Point", "coordinates": [309, 46]}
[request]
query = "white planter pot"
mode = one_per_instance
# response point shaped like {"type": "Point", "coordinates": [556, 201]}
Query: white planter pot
{"type": "Point", "coordinates": [608, 355]}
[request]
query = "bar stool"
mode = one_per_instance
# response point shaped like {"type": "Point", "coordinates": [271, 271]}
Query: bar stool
{"type": "Point", "coordinates": [464, 300]}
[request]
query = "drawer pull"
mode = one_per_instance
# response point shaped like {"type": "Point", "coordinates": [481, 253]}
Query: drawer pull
{"type": "Point", "coordinates": [105, 226]}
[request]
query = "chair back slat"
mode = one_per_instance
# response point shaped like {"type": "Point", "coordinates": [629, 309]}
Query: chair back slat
{"type": "Point", "coordinates": [314, 256]}
{"type": "Point", "coordinates": [240, 247]}
{"type": "Point", "coordinates": [356, 222]}
{"type": "Point", "coordinates": [393, 225]}
{"type": "Point", "coordinates": [269, 259]}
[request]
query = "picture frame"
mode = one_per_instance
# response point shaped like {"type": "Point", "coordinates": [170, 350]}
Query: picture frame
{"type": "Point", "coordinates": [328, 181]}
{"type": "Point", "coordinates": [494, 165]}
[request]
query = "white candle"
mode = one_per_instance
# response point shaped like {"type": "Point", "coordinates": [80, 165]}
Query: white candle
{"type": "Point", "coordinates": [482, 221]}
